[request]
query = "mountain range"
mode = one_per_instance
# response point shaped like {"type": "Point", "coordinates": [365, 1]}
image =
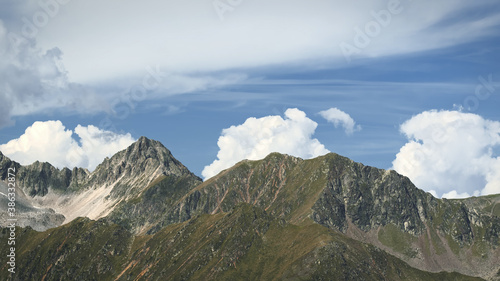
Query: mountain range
{"type": "Point", "coordinates": [142, 215]}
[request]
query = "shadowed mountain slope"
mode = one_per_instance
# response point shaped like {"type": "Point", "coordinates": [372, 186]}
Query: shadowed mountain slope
{"type": "Point", "coordinates": [243, 244]}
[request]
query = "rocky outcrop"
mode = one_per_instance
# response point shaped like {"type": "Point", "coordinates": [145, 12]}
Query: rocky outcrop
{"type": "Point", "coordinates": [369, 197]}
{"type": "Point", "coordinates": [38, 178]}
{"type": "Point", "coordinates": [140, 163]}
{"type": "Point", "coordinates": [336, 190]}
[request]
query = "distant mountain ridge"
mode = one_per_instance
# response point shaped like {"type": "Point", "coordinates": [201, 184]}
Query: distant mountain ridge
{"type": "Point", "coordinates": [148, 196]}
{"type": "Point", "coordinates": [365, 203]}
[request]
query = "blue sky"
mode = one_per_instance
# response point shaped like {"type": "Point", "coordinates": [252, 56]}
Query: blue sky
{"type": "Point", "coordinates": [221, 63]}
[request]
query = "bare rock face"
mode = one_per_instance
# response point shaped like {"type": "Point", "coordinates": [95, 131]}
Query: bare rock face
{"type": "Point", "coordinates": [26, 214]}
{"type": "Point", "coordinates": [38, 178]}
{"type": "Point", "coordinates": [134, 168]}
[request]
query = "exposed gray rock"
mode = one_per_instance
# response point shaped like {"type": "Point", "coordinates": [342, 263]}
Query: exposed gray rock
{"type": "Point", "coordinates": [122, 177]}
{"type": "Point", "coordinates": [26, 214]}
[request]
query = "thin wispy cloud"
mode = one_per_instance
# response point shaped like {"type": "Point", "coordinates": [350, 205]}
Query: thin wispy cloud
{"type": "Point", "coordinates": [51, 59]}
{"type": "Point", "coordinates": [260, 33]}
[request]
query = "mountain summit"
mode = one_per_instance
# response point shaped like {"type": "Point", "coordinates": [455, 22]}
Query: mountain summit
{"type": "Point", "coordinates": [145, 156]}
{"type": "Point", "coordinates": [138, 165]}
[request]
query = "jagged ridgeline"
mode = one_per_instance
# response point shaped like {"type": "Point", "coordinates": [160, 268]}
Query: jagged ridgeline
{"type": "Point", "coordinates": [142, 215]}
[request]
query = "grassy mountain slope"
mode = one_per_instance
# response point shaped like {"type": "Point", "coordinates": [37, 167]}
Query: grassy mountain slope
{"type": "Point", "coordinates": [243, 244]}
{"type": "Point", "coordinates": [368, 204]}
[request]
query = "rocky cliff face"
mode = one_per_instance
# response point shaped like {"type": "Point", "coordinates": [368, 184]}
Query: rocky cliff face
{"type": "Point", "coordinates": [5, 164]}
{"type": "Point", "coordinates": [38, 178]}
{"type": "Point", "coordinates": [139, 164]}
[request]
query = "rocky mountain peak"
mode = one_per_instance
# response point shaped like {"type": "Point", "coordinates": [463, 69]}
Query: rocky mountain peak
{"type": "Point", "coordinates": [146, 152]}
{"type": "Point", "coordinates": [136, 166]}
{"type": "Point", "coordinates": [4, 159]}
{"type": "Point", "coordinates": [144, 149]}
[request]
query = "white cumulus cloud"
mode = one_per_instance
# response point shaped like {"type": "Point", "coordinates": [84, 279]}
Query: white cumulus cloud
{"type": "Point", "coordinates": [257, 137]}
{"type": "Point", "coordinates": [451, 153]}
{"type": "Point", "coordinates": [339, 118]}
{"type": "Point", "coordinates": [51, 142]}
{"type": "Point", "coordinates": [455, 195]}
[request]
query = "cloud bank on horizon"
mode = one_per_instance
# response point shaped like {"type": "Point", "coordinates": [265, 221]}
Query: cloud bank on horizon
{"type": "Point", "coordinates": [451, 154]}
{"type": "Point", "coordinates": [51, 142]}
{"type": "Point", "coordinates": [258, 137]}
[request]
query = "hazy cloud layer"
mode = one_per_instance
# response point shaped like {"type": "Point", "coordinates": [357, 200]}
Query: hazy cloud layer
{"type": "Point", "coordinates": [121, 42]}
{"type": "Point", "coordinates": [451, 153]}
{"type": "Point", "coordinates": [51, 142]}
{"type": "Point", "coordinates": [34, 81]}
{"type": "Point", "coordinates": [257, 137]}
{"type": "Point", "coordinates": [339, 118]}
{"type": "Point", "coordinates": [41, 59]}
